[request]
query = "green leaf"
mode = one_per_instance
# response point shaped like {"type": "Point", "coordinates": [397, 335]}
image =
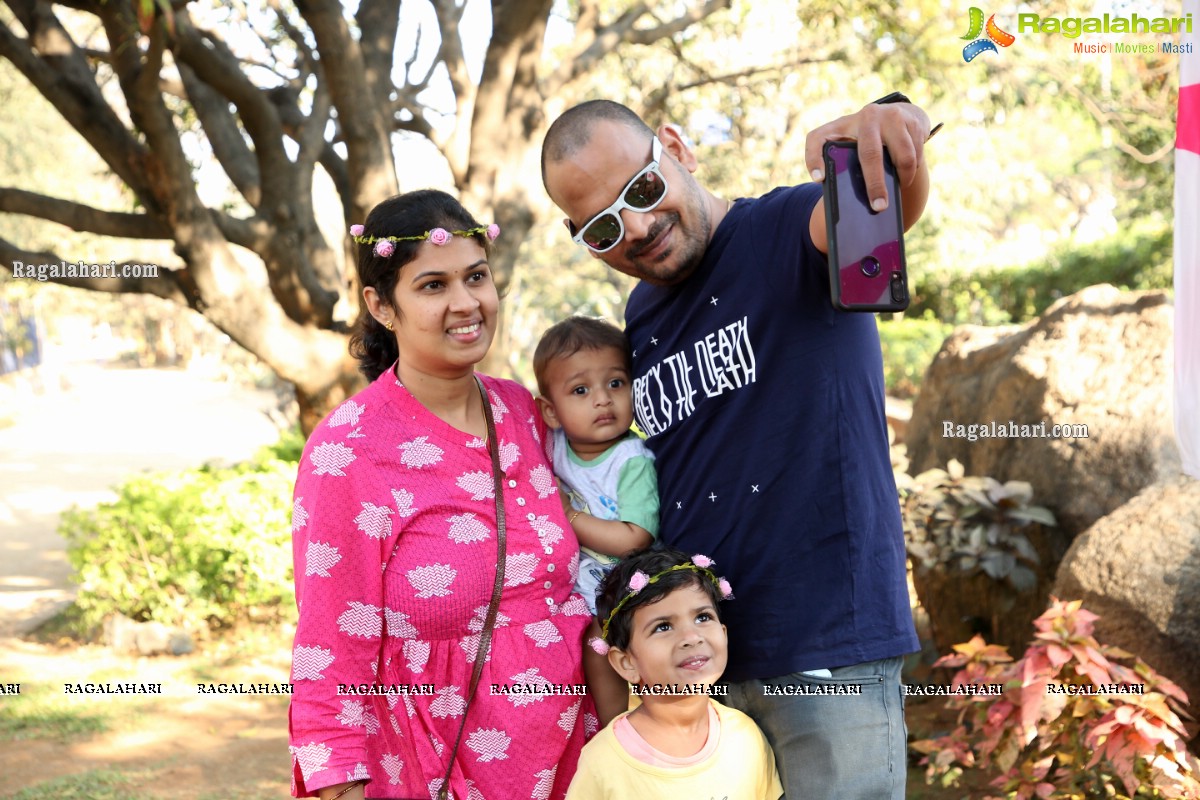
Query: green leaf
{"type": "Point", "coordinates": [955, 470]}
{"type": "Point", "coordinates": [978, 496]}
{"type": "Point", "coordinates": [1032, 514]}
{"type": "Point", "coordinates": [976, 539]}
{"type": "Point", "coordinates": [1012, 493]}
{"type": "Point", "coordinates": [998, 564]}
{"type": "Point", "coordinates": [1024, 548]}
{"type": "Point", "coordinates": [145, 15]}
{"type": "Point", "coordinates": [1022, 578]}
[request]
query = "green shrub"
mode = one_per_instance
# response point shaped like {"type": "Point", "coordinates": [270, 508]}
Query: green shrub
{"type": "Point", "coordinates": [909, 346]}
{"type": "Point", "coordinates": [1137, 258]}
{"type": "Point", "coordinates": [289, 447]}
{"type": "Point", "coordinates": [971, 523]}
{"type": "Point", "coordinates": [199, 547]}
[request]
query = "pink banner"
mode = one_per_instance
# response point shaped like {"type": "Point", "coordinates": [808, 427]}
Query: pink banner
{"type": "Point", "coordinates": [1187, 251]}
{"type": "Point", "coordinates": [1187, 133]}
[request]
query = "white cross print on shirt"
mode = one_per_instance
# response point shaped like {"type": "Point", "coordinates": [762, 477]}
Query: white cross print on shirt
{"type": "Point", "coordinates": [713, 301]}
{"type": "Point", "coordinates": [712, 497]}
{"type": "Point", "coordinates": [754, 488]}
{"type": "Point", "coordinates": [653, 340]}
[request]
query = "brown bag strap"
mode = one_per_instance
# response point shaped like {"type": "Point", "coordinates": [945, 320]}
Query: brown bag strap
{"type": "Point", "coordinates": [489, 622]}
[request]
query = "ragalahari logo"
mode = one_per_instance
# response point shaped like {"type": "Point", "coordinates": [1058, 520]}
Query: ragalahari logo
{"type": "Point", "coordinates": [994, 36]}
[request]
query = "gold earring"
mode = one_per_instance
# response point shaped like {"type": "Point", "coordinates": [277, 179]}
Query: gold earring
{"type": "Point", "coordinates": [389, 325]}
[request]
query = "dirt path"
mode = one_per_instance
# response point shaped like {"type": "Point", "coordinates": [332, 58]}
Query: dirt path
{"type": "Point", "coordinates": [181, 745]}
{"type": "Point", "coordinates": [67, 446]}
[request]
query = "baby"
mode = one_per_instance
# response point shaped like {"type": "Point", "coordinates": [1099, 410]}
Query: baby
{"type": "Point", "coordinates": [583, 374]}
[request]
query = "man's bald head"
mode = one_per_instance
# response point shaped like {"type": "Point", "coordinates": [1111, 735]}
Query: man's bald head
{"type": "Point", "coordinates": [573, 129]}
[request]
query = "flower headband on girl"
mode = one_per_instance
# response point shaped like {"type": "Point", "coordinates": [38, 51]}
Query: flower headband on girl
{"type": "Point", "coordinates": [639, 580]}
{"type": "Point", "coordinates": [384, 246]}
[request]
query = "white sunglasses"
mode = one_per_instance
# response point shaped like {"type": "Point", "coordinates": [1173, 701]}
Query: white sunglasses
{"type": "Point", "coordinates": [605, 231]}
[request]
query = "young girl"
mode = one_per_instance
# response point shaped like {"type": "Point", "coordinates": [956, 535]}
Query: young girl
{"type": "Point", "coordinates": [663, 633]}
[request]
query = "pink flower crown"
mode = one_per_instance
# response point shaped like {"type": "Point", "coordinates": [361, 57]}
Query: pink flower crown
{"type": "Point", "coordinates": [384, 246]}
{"type": "Point", "coordinates": [640, 580]}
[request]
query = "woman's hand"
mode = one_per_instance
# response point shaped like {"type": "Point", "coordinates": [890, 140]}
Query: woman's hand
{"type": "Point", "coordinates": [343, 791]}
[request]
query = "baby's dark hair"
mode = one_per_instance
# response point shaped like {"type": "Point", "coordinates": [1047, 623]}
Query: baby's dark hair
{"type": "Point", "coordinates": [573, 334]}
{"type": "Point", "coordinates": [656, 559]}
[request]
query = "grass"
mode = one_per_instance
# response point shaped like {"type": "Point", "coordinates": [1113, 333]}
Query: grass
{"type": "Point", "coordinates": [96, 784]}
{"type": "Point", "coordinates": [43, 712]}
{"type": "Point", "coordinates": [65, 629]}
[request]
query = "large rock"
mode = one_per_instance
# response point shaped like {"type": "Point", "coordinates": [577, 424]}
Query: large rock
{"type": "Point", "coordinates": [1100, 358]}
{"type": "Point", "coordinates": [1139, 569]}
{"type": "Point", "coordinates": [145, 638]}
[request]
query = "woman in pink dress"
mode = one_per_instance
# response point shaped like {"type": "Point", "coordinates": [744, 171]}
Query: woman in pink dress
{"type": "Point", "coordinates": [396, 547]}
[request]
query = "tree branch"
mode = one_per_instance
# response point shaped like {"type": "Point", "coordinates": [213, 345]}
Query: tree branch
{"type": "Point", "coordinates": [335, 165]}
{"type": "Point", "coordinates": [457, 145]}
{"type": "Point", "coordinates": [1113, 121]}
{"type": "Point", "coordinates": [1144, 158]}
{"type": "Point", "coordinates": [449, 15]}
{"type": "Point", "coordinates": [63, 77]}
{"type": "Point", "coordinates": [167, 285]}
{"type": "Point", "coordinates": [679, 24]}
{"type": "Point", "coordinates": [166, 164]}
{"type": "Point", "coordinates": [515, 25]}
{"type": "Point", "coordinates": [80, 217]}
{"type": "Point", "coordinates": [378, 21]}
{"type": "Point", "coordinates": [224, 135]}
{"type": "Point", "coordinates": [370, 166]}
{"type": "Point", "coordinates": [604, 39]}
{"type": "Point", "coordinates": [418, 124]}
{"type": "Point", "coordinates": [318, 265]}
{"type": "Point", "coordinates": [214, 64]}
{"type": "Point", "coordinates": [253, 234]}
{"type": "Point", "coordinates": [656, 99]}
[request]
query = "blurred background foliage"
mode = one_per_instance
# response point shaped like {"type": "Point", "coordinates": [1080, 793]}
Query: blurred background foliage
{"type": "Point", "coordinates": [1052, 173]}
{"type": "Point", "coordinates": [197, 548]}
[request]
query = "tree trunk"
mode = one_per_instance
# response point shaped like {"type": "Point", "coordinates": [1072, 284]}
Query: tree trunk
{"type": "Point", "coordinates": [317, 399]}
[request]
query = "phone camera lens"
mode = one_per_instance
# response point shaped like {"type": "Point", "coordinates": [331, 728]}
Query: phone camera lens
{"type": "Point", "coordinates": [870, 266]}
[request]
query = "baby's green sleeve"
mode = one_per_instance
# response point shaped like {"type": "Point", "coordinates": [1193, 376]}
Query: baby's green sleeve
{"type": "Point", "coordinates": [637, 494]}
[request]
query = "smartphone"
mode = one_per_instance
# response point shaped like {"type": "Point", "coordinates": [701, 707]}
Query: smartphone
{"type": "Point", "coordinates": [866, 247]}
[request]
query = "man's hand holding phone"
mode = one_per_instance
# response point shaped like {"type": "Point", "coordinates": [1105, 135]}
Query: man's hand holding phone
{"type": "Point", "coordinates": [901, 127]}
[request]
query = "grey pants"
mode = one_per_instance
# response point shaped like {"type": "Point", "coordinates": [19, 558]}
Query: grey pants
{"type": "Point", "coordinates": [849, 745]}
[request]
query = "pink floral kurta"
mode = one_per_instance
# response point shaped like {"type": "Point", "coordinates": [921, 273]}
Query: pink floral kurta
{"type": "Point", "coordinates": [394, 537]}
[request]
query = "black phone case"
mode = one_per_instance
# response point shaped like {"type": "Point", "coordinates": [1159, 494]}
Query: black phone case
{"type": "Point", "coordinates": [867, 269]}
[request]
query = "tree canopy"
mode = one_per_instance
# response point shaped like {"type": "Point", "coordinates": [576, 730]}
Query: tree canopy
{"type": "Point", "coordinates": [233, 129]}
{"type": "Point", "coordinates": [272, 94]}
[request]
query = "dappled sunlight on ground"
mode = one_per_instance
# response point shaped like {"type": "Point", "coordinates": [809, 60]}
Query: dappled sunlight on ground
{"type": "Point", "coordinates": [180, 744]}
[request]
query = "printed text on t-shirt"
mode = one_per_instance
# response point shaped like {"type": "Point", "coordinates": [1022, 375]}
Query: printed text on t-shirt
{"type": "Point", "coordinates": [720, 362]}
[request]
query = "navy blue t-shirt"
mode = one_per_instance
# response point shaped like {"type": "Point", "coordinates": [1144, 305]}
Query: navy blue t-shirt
{"type": "Point", "coordinates": [764, 407]}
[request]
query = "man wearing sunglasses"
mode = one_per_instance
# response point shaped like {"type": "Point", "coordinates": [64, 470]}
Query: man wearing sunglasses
{"type": "Point", "coordinates": [764, 407]}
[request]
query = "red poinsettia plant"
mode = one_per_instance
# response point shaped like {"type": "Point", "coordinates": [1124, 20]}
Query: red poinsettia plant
{"type": "Point", "coordinates": [1077, 719]}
